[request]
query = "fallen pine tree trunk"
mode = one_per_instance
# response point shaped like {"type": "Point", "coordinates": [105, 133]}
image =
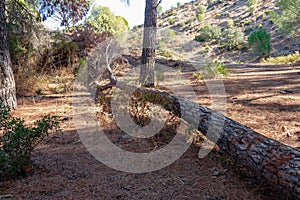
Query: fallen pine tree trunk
{"type": "Point", "coordinates": [279, 164]}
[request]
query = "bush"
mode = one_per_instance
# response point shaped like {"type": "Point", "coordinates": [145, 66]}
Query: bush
{"type": "Point", "coordinates": [178, 4]}
{"type": "Point", "coordinates": [251, 2]}
{"type": "Point", "coordinates": [252, 9]}
{"type": "Point", "coordinates": [230, 23]}
{"type": "Point", "coordinates": [17, 141]}
{"type": "Point", "coordinates": [200, 17]}
{"type": "Point", "coordinates": [232, 38]}
{"type": "Point", "coordinates": [171, 21]}
{"type": "Point", "coordinates": [208, 33]}
{"type": "Point", "coordinates": [201, 9]}
{"type": "Point", "coordinates": [289, 59]}
{"type": "Point", "coordinates": [165, 53]}
{"type": "Point", "coordinates": [170, 13]}
{"type": "Point", "coordinates": [259, 41]}
{"type": "Point", "coordinates": [210, 1]}
{"type": "Point", "coordinates": [214, 70]}
{"type": "Point", "coordinates": [189, 21]}
{"type": "Point", "coordinates": [288, 19]}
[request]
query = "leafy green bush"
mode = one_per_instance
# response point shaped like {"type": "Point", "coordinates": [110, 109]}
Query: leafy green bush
{"type": "Point", "coordinates": [17, 141]}
{"type": "Point", "coordinates": [170, 13]}
{"type": "Point", "coordinates": [200, 17]}
{"type": "Point", "coordinates": [252, 9]}
{"type": "Point", "coordinates": [210, 1]}
{"type": "Point", "coordinates": [171, 21]}
{"type": "Point", "coordinates": [208, 33]}
{"type": "Point", "coordinates": [214, 70]}
{"type": "Point", "coordinates": [259, 41]}
{"type": "Point", "coordinates": [197, 75]}
{"type": "Point", "coordinates": [252, 4]}
{"type": "Point", "coordinates": [289, 59]}
{"type": "Point", "coordinates": [102, 19]}
{"type": "Point", "coordinates": [201, 9]}
{"type": "Point", "coordinates": [178, 4]}
{"type": "Point", "coordinates": [167, 36]}
{"type": "Point", "coordinates": [164, 53]}
{"type": "Point", "coordinates": [189, 21]}
{"type": "Point", "coordinates": [230, 23]}
{"type": "Point", "coordinates": [232, 39]}
{"type": "Point", "coordinates": [288, 18]}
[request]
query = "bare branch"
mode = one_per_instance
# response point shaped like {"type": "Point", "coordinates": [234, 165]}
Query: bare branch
{"type": "Point", "coordinates": [158, 4]}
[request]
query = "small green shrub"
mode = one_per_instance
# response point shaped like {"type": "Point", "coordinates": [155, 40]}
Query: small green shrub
{"type": "Point", "coordinates": [38, 91]}
{"type": "Point", "coordinates": [252, 9]}
{"type": "Point", "coordinates": [17, 141]}
{"type": "Point", "coordinates": [208, 33]}
{"type": "Point", "coordinates": [214, 70]}
{"type": "Point", "coordinates": [259, 41]}
{"type": "Point", "coordinates": [178, 4]}
{"type": "Point", "coordinates": [268, 12]}
{"type": "Point", "coordinates": [230, 23]}
{"type": "Point", "coordinates": [170, 13]}
{"type": "Point", "coordinates": [201, 9]}
{"type": "Point", "coordinates": [232, 39]}
{"type": "Point", "coordinates": [251, 2]}
{"type": "Point", "coordinates": [200, 17]}
{"type": "Point", "coordinates": [211, 1]}
{"type": "Point", "coordinates": [289, 59]}
{"type": "Point", "coordinates": [190, 20]}
{"type": "Point", "coordinates": [227, 14]}
{"type": "Point", "coordinates": [197, 75]}
{"type": "Point", "coordinates": [168, 36]}
{"type": "Point", "coordinates": [165, 53]}
{"type": "Point", "coordinates": [162, 45]}
{"type": "Point", "coordinates": [171, 21]}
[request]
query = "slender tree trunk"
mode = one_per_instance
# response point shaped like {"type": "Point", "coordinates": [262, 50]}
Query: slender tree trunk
{"type": "Point", "coordinates": [7, 82]}
{"type": "Point", "coordinates": [148, 54]}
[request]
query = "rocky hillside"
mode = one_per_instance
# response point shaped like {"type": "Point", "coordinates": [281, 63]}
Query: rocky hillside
{"type": "Point", "coordinates": [183, 23]}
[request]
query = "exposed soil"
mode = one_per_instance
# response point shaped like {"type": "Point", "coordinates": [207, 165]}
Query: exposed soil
{"type": "Point", "coordinates": [265, 98]}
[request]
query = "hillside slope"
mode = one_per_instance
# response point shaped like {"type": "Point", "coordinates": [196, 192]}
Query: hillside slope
{"type": "Point", "coordinates": [183, 21]}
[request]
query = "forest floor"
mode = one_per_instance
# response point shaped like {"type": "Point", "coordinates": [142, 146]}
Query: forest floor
{"type": "Point", "coordinates": [265, 98]}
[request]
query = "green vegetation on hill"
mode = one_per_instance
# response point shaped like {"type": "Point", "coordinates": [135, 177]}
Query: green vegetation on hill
{"type": "Point", "coordinates": [226, 27]}
{"type": "Point", "coordinates": [208, 33]}
{"type": "Point", "coordinates": [289, 59]}
{"type": "Point", "coordinates": [259, 41]}
{"type": "Point", "coordinates": [101, 20]}
{"type": "Point", "coordinates": [288, 19]}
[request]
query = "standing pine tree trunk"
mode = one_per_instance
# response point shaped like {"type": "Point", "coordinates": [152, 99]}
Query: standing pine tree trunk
{"type": "Point", "coordinates": [7, 82]}
{"type": "Point", "coordinates": [148, 54]}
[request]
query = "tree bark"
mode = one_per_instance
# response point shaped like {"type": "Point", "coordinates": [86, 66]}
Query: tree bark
{"type": "Point", "coordinates": [7, 82]}
{"type": "Point", "coordinates": [279, 164]}
{"type": "Point", "coordinates": [148, 54]}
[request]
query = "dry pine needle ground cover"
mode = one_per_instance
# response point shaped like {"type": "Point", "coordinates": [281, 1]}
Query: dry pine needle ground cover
{"type": "Point", "coordinates": [265, 98]}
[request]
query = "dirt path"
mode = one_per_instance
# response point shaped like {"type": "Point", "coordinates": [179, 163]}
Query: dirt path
{"type": "Point", "coordinates": [265, 98]}
{"type": "Point", "coordinates": [265, 101]}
